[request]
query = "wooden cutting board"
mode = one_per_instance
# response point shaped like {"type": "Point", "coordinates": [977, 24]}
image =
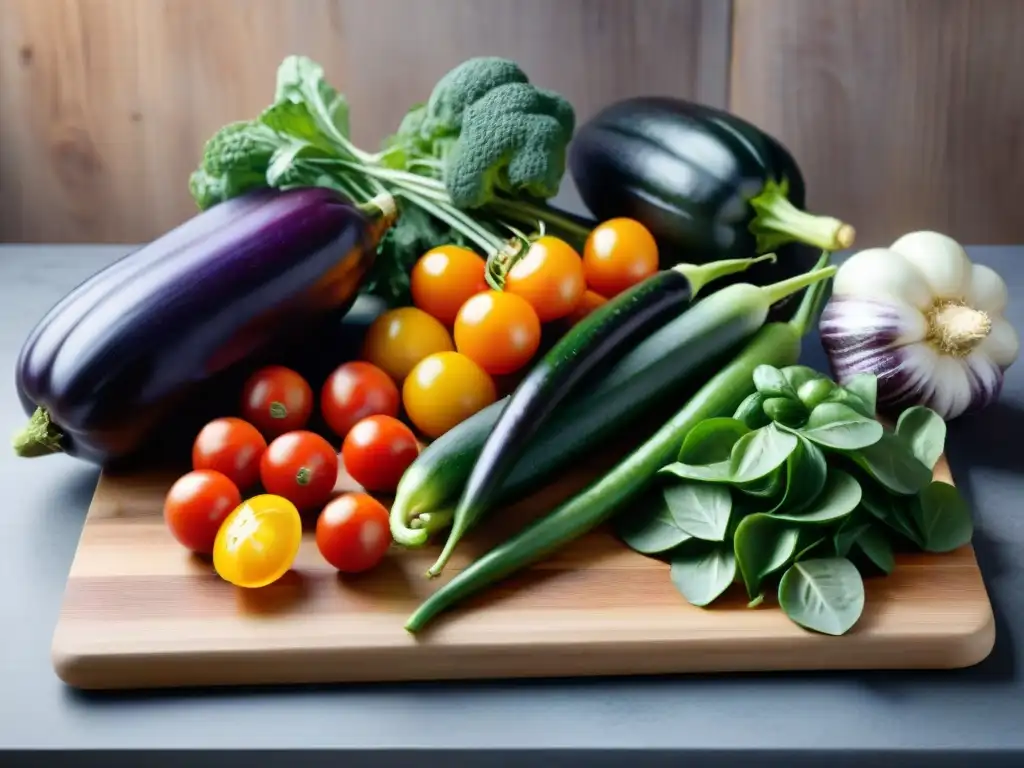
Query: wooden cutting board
{"type": "Point", "coordinates": [140, 612]}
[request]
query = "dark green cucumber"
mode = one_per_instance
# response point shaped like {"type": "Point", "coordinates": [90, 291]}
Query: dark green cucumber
{"type": "Point", "coordinates": [657, 371]}
{"type": "Point", "coordinates": [776, 344]}
{"type": "Point", "coordinates": [598, 341]}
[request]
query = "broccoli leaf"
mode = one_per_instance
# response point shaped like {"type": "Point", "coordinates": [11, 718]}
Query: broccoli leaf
{"type": "Point", "coordinates": [293, 119]}
{"type": "Point", "coordinates": [300, 80]}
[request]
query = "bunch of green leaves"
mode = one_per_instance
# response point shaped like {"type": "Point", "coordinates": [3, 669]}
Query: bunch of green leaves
{"type": "Point", "coordinates": [803, 490]}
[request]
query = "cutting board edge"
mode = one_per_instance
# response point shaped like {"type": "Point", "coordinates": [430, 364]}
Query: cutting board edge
{"type": "Point", "coordinates": [100, 671]}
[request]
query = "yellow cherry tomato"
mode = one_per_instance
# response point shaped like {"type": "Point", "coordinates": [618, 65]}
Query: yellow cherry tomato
{"type": "Point", "coordinates": [444, 279]}
{"type": "Point", "coordinates": [619, 253]}
{"type": "Point", "coordinates": [550, 277]}
{"type": "Point", "coordinates": [257, 543]}
{"type": "Point", "coordinates": [400, 338]}
{"type": "Point", "coordinates": [499, 331]}
{"type": "Point", "coordinates": [445, 389]}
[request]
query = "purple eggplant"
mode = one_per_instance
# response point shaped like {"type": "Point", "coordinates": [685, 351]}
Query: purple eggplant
{"type": "Point", "coordinates": [138, 351]}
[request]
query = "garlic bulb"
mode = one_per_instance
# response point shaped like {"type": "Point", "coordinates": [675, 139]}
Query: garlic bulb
{"type": "Point", "coordinates": [925, 320]}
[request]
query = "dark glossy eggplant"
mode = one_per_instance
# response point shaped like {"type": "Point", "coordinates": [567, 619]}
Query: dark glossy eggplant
{"type": "Point", "coordinates": [708, 184]}
{"type": "Point", "coordinates": [132, 354]}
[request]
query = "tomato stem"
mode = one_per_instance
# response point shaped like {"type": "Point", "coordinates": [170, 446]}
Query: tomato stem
{"type": "Point", "coordinates": [303, 476]}
{"type": "Point", "coordinates": [278, 410]}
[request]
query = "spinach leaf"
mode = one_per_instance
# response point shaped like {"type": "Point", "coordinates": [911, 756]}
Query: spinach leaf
{"type": "Point", "coordinates": [805, 476]}
{"type": "Point", "coordinates": [711, 441]}
{"type": "Point", "coordinates": [719, 472]}
{"type": "Point", "coordinates": [798, 375]}
{"type": "Point", "coordinates": [893, 511]}
{"type": "Point", "coordinates": [943, 518]}
{"type": "Point", "coordinates": [703, 573]}
{"type": "Point", "coordinates": [700, 509]}
{"type": "Point", "coordinates": [847, 534]}
{"type": "Point", "coordinates": [924, 431]}
{"type": "Point", "coordinates": [864, 386]}
{"type": "Point", "coordinates": [837, 426]}
{"type": "Point", "coordinates": [768, 487]}
{"type": "Point", "coordinates": [757, 453]}
{"type": "Point", "coordinates": [751, 411]}
{"type": "Point", "coordinates": [813, 393]}
{"type": "Point", "coordinates": [771, 382]}
{"type": "Point", "coordinates": [785, 411]}
{"type": "Point", "coordinates": [841, 396]}
{"type": "Point", "coordinates": [875, 544]}
{"type": "Point", "coordinates": [891, 463]}
{"type": "Point", "coordinates": [824, 595]}
{"type": "Point", "coordinates": [809, 545]}
{"type": "Point", "coordinates": [650, 527]}
{"type": "Point", "coordinates": [762, 545]}
{"type": "Point", "coordinates": [839, 498]}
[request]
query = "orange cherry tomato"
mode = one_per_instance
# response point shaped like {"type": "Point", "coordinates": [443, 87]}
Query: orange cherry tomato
{"type": "Point", "coordinates": [588, 304]}
{"type": "Point", "coordinates": [619, 253]}
{"type": "Point", "coordinates": [400, 338]}
{"type": "Point", "coordinates": [444, 390]}
{"type": "Point", "coordinates": [377, 451]}
{"type": "Point", "coordinates": [352, 533]}
{"type": "Point", "coordinates": [353, 392]}
{"type": "Point", "coordinates": [232, 447]}
{"type": "Point", "coordinates": [258, 542]}
{"type": "Point", "coordinates": [498, 330]}
{"type": "Point", "coordinates": [197, 505]}
{"type": "Point", "coordinates": [444, 278]}
{"type": "Point", "coordinates": [276, 400]}
{"type": "Point", "coordinates": [550, 277]}
{"type": "Point", "coordinates": [300, 466]}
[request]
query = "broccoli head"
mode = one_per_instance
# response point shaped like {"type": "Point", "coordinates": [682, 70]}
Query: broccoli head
{"type": "Point", "coordinates": [235, 161]}
{"type": "Point", "coordinates": [495, 130]}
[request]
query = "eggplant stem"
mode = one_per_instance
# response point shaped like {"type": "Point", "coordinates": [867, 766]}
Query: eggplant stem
{"type": "Point", "coordinates": [700, 275]}
{"type": "Point", "coordinates": [779, 222]}
{"type": "Point", "coordinates": [40, 437]}
{"type": "Point", "coordinates": [956, 329]}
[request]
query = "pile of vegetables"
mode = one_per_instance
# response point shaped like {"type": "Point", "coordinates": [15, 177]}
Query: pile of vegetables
{"type": "Point", "coordinates": [510, 338]}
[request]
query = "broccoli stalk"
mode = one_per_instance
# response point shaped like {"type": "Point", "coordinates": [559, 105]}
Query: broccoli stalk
{"type": "Point", "coordinates": [476, 160]}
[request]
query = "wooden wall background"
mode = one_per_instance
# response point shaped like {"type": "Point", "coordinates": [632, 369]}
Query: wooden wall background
{"type": "Point", "coordinates": [903, 113]}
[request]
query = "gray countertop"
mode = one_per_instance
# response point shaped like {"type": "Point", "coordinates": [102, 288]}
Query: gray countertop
{"type": "Point", "coordinates": [978, 710]}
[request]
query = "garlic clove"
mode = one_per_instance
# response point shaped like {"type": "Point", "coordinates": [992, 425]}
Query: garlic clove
{"type": "Point", "coordinates": [941, 259]}
{"type": "Point", "coordinates": [988, 290]}
{"type": "Point", "coordinates": [1002, 345]}
{"type": "Point", "coordinates": [904, 375]}
{"type": "Point", "coordinates": [952, 391]}
{"type": "Point", "coordinates": [881, 274]}
{"type": "Point", "coordinates": [987, 379]}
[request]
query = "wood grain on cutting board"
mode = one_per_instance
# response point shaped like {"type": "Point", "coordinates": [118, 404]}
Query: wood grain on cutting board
{"type": "Point", "coordinates": [140, 612]}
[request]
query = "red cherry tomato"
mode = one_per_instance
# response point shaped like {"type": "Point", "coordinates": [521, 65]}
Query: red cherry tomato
{"type": "Point", "coordinates": [550, 277]}
{"type": "Point", "coordinates": [352, 532]}
{"type": "Point", "coordinates": [444, 278]}
{"type": "Point", "coordinates": [497, 330]}
{"type": "Point", "coordinates": [377, 451]}
{"type": "Point", "coordinates": [196, 506]}
{"type": "Point", "coordinates": [619, 253]}
{"type": "Point", "coordinates": [301, 467]}
{"type": "Point", "coordinates": [232, 447]}
{"type": "Point", "coordinates": [355, 391]}
{"type": "Point", "coordinates": [276, 400]}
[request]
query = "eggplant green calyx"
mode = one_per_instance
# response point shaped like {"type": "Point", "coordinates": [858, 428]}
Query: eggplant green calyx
{"type": "Point", "coordinates": [40, 437]}
{"type": "Point", "coordinates": [779, 222]}
{"type": "Point", "coordinates": [700, 275]}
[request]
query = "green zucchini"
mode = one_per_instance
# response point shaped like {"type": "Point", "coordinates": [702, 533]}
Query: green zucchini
{"type": "Point", "coordinates": [776, 344]}
{"type": "Point", "coordinates": [659, 369]}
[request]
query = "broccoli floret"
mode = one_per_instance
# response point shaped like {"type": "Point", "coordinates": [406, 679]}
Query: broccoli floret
{"type": "Point", "coordinates": [235, 161]}
{"type": "Point", "coordinates": [495, 130]}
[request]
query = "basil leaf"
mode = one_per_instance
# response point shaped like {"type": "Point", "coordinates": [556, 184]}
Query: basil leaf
{"type": "Point", "coordinates": [865, 387]}
{"type": "Point", "coordinates": [924, 431]}
{"type": "Point", "coordinates": [824, 595]}
{"type": "Point", "coordinates": [893, 511]}
{"type": "Point", "coordinates": [839, 498]}
{"type": "Point", "coordinates": [943, 518]}
{"type": "Point", "coordinates": [762, 545]}
{"type": "Point", "coordinates": [650, 526]}
{"type": "Point", "coordinates": [711, 441]}
{"type": "Point", "coordinates": [805, 476]}
{"type": "Point", "coordinates": [798, 375]}
{"type": "Point", "coordinates": [751, 411]}
{"type": "Point", "coordinates": [837, 426]}
{"type": "Point", "coordinates": [841, 396]}
{"type": "Point", "coordinates": [770, 382]}
{"type": "Point", "coordinates": [876, 546]}
{"type": "Point", "coordinates": [702, 574]}
{"type": "Point", "coordinates": [891, 463]}
{"type": "Point", "coordinates": [756, 454]}
{"type": "Point", "coordinates": [700, 509]}
{"type": "Point", "coordinates": [785, 411]}
{"type": "Point", "coordinates": [814, 392]}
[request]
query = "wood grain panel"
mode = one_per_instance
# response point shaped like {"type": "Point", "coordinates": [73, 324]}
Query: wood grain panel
{"type": "Point", "coordinates": [904, 114]}
{"type": "Point", "coordinates": [105, 104]}
{"type": "Point", "coordinates": [140, 612]}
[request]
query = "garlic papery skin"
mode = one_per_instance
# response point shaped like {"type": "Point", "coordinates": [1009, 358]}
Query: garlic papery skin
{"type": "Point", "coordinates": [925, 320]}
